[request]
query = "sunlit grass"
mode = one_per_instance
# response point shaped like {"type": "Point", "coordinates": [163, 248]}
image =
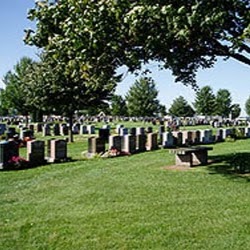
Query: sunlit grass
{"type": "Point", "coordinates": [130, 202]}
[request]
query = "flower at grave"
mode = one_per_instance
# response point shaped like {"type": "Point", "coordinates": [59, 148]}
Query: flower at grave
{"type": "Point", "coordinates": [17, 162]}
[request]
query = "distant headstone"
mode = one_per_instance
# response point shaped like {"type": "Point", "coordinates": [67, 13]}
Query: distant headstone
{"type": "Point", "coordinates": [140, 131]}
{"type": "Point", "coordinates": [64, 129]}
{"type": "Point", "coordinates": [206, 136]}
{"type": "Point", "coordinates": [10, 132]}
{"type": "Point", "coordinates": [76, 128]}
{"type": "Point", "coordinates": [167, 140]}
{"type": "Point", "coordinates": [118, 127]}
{"type": "Point", "coordinates": [161, 130]}
{"type": "Point", "coordinates": [46, 130]}
{"type": "Point", "coordinates": [132, 131]}
{"type": "Point", "coordinates": [38, 127]}
{"type": "Point", "coordinates": [123, 131]}
{"type": "Point", "coordinates": [247, 132]}
{"type": "Point", "coordinates": [196, 137]}
{"type": "Point", "coordinates": [187, 137]}
{"type": "Point", "coordinates": [83, 129]}
{"type": "Point", "coordinates": [2, 128]}
{"type": "Point", "coordinates": [26, 133]}
{"type": "Point", "coordinates": [91, 129]}
{"type": "Point", "coordinates": [104, 134]}
{"type": "Point", "coordinates": [219, 135]}
{"type": "Point", "coordinates": [177, 138]}
{"type": "Point", "coordinates": [56, 129]}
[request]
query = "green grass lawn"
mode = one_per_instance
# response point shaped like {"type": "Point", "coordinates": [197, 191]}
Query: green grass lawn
{"type": "Point", "coordinates": [129, 202]}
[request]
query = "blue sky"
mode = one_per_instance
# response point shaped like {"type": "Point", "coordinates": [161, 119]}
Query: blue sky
{"type": "Point", "coordinates": [230, 74]}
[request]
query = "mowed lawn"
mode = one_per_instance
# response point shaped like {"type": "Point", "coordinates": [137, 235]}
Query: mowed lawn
{"type": "Point", "coordinates": [130, 202]}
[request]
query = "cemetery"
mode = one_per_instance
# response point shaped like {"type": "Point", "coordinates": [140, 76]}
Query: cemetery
{"type": "Point", "coordinates": [109, 139]}
{"type": "Point", "coordinates": [133, 193]}
{"type": "Point", "coordinates": [84, 165]}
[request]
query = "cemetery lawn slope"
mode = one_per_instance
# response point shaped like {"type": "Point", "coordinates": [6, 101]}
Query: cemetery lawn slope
{"type": "Point", "coordinates": [129, 202]}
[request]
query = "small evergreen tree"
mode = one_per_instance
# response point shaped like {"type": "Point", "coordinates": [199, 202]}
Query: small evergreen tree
{"type": "Point", "coordinates": [205, 101]}
{"type": "Point", "coordinates": [181, 108]}
{"type": "Point", "coordinates": [142, 98]}
{"type": "Point", "coordinates": [223, 102]}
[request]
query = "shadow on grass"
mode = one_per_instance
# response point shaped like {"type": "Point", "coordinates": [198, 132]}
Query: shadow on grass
{"type": "Point", "coordinates": [26, 165]}
{"type": "Point", "coordinates": [236, 165]}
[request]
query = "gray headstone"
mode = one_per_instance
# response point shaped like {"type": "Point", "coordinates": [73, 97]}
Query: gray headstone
{"type": "Point", "coordinates": [35, 152]}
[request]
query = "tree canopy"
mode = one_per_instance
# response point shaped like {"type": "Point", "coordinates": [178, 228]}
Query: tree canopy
{"type": "Point", "coordinates": [96, 37]}
{"type": "Point", "coordinates": [14, 97]}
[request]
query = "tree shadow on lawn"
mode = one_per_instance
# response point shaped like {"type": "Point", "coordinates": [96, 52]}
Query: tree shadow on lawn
{"type": "Point", "coordinates": [236, 165]}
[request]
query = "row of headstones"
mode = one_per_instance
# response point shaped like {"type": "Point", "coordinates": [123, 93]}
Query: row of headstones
{"type": "Point", "coordinates": [56, 151]}
{"type": "Point", "coordinates": [50, 129]}
{"type": "Point", "coordinates": [138, 141]}
{"type": "Point", "coordinates": [185, 138]}
{"type": "Point", "coordinates": [63, 129]}
{"type": "Point", "coordinates": [126, 144]}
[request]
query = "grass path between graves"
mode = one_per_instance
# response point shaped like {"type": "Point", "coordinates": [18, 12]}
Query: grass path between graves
{"type": "Point", "coordinates": [129, 202]}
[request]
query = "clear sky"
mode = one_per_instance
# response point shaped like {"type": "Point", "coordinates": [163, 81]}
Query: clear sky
{"type": "Point", "coordinates": [230, 74]}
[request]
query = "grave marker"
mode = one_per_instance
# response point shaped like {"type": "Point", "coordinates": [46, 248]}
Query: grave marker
{"type": "Point", "coordinates": [35, 152]}
{"type": "Point", "coordinates": [152, 142]}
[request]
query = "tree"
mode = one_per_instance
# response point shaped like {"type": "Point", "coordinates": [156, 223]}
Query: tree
{"type": "Point", "coordinates": [235, 111]}
{"type": "Point", "coordinates": [205, 101]}
{"type": "Point", "coordinates": [142, 98]}
{"type": "Point", "coordinates": [3, 110]}
{"type": "Point", "coordinates": [247, 106]}
{"type": "Point", "coordinates": [100, 36]}
{"type": "Point", "coordinates": [60, 92]}
{"type": "Point", "coordinates": [223, 102]}
{"type": "Point", "coordinates": [14, 98]}
{"type": "Point", "coordinates": [181, 108]}
{"type": "Point", "coordinates": [118, 106]}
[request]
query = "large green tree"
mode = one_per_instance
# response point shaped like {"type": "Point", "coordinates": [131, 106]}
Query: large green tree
{"type": "Point", "coordinates": [223, 102]}
{"type": "Point", "coordinates": [49, 86]}
{"type": "Point", "coordinates": [142, 98]}
{"type": "Point", "coordinates": [205, 101]}
{"type": "Point", "coordinates": [97, 37]}
{"type": "Point", "coordinates": [181, 108]}
{"type": "Point", "coordinates": [247, 106]}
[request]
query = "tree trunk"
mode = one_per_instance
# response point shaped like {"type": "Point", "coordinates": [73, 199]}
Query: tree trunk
{"type": "Point", "coordinates": [26, 120]}
{"type": "Point", "coordinates": [71, 138]}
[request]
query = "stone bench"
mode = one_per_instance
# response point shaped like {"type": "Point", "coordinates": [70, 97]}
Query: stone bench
{"type": "Point", "coordinates": [191, 156]}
